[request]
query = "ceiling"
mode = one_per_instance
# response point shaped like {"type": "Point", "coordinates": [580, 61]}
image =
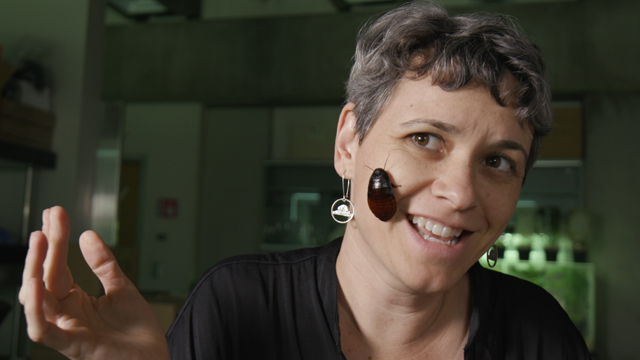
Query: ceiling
{"type": "Point", "coordinates": [127, 11]}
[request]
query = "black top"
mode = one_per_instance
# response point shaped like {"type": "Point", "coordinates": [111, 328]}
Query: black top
{"type": "Point", "coordinates": [284, 306]}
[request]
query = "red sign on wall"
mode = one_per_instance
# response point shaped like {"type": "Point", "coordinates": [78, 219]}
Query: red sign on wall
{"type": "Point", "coordinates": [168, 208]}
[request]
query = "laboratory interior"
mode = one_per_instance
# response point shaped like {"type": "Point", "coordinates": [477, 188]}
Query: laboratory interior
{"type": "Point", "coordinates": [185, 132]}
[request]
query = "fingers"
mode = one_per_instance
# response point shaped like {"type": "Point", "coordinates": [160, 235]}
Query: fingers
{"type": "Point", "coordinates": [33, 263]}
{"type": "Point", "coordinates": [101, 260]}
{"type": "Point", "coordinates": [38, 328]}
{"type": "Point", "coordinates": [45, 221]}
{"type": "Point", "coordinates": [32, 296]}
{"type": "Point", "coordinates": [57, 275]}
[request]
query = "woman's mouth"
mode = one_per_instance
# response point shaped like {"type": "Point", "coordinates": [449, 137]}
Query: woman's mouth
{"type": "Point", "coordinates": [435, 232]}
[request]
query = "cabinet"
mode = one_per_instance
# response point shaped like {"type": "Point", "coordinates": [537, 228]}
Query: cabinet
{"type": "Point", "coordinates": [16, 161]}
{"type": "Point", "coordinates": [298, 196]}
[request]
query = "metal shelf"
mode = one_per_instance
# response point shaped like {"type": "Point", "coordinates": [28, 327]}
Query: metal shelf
{"type": "Point", "coordinates": [27, 156]}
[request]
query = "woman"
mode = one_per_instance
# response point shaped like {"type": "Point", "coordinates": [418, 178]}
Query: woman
{"type": "Point", "coordinates": [453, 110]}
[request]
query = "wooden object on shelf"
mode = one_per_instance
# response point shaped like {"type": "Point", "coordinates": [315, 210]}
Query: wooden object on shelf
{"type": "Point", "coordinates": [25, 125]}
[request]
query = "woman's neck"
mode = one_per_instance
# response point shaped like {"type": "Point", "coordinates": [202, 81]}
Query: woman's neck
{"type": "Point", "coordinates": [379, 318]}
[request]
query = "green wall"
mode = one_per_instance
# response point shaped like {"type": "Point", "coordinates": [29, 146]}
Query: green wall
{"type": "Point", "coordinates": [235, 145]}
{"type": "Point", "coordinates": [165, 139]}
{"type": "Point", "coordinates": [612, 173]}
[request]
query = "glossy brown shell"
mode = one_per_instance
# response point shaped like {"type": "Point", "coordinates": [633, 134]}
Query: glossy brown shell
{"type": "Point", "coordinates": [380, 195]}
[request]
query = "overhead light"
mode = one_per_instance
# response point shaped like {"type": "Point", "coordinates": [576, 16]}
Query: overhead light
{"type": "Point", "coordinates": [345, 5]}
{"type": "Point", "coordinates": [138, 7]}
{"type": "Point", "coordinates": [367, 2]}
{"type": "Point", "coordinates": [142, 9]}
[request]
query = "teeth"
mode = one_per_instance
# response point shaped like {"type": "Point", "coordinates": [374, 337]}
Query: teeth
{"type": "Point", "coordinates": [450, 242]}
{"type": "Point", "coordinates": [429, 225]}
{"type": "Point", "coordinates": [438, 230]}
{"type": "Point", "coordinates": [446, 232]}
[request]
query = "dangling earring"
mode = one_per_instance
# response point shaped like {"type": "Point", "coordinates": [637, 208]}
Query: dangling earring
{"type": "Point", "coordinates": [492, 255]}
{"type": "Point", "coordinates": [343, 208]}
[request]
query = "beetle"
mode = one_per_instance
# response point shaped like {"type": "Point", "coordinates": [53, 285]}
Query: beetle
{"type": "Point", "coordinates": [380, 196]}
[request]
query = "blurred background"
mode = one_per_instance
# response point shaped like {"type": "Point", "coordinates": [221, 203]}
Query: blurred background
{"type": "Point", "coordinates": [188, 131]}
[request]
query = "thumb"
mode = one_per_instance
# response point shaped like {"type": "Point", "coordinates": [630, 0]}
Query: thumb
{"type": "Point", "coordinates": [101, 260]}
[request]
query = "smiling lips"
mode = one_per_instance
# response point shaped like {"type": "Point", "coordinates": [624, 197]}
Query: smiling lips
{"type": "Point", "coordinates": [436, 232]}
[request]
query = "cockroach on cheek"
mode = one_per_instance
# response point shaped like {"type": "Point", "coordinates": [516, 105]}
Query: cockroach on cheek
{"type": "Point", "coordinates": [380, 196]}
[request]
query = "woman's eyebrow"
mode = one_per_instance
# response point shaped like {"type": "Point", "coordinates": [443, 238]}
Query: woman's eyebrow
{"type": "Point", "coordinates": [512, 145]}
{"type": "Point", "coordinates": [446, 127]}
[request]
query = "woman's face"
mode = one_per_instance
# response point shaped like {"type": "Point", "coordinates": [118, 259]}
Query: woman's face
{"type": "Point", "coordinates": [458, 159]}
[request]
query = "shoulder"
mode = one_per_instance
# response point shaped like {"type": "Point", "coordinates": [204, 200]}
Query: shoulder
{"type": "Point", "coordinates": [521, 293]}
{"type": "Point", "coordinates": [246, 273]}
{"type": "Point", "coordinates": [258, 297]}
{"type": "Point", "coordinates": [526, 303]}
{"type": "Point", "coordinates": [260, 267]}
{"type": "Point", "coordinates": [522, 317]}
{"type": "Point", "coordinates": [246, 265]}
{"type": "Point", "coordinates": [241, 282]}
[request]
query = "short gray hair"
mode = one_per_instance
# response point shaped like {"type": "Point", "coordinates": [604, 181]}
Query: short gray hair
{"type": "Point", "coordinates": [421, 38]}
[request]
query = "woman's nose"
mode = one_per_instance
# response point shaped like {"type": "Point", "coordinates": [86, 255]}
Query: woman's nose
{"type": "Point", "coordinates": [455, 185]}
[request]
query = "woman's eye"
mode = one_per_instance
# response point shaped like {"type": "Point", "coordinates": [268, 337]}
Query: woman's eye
{"type": "Point", "coordinates": [428, 141]}
{"type": "Point", "coordinates": [499, 162]}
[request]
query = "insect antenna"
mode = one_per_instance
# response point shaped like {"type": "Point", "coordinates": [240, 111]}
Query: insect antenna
{"type": "Point", "coordinates": [385, 161]}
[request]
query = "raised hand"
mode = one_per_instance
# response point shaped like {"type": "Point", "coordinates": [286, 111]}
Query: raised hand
{"type": "Point", "coordinates": [118, 325]}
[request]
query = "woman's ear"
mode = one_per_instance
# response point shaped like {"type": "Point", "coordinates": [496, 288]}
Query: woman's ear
{"type": "Point", "coordinates": [346, 142]}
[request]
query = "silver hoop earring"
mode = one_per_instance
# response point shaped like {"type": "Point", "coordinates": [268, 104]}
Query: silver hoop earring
{"type": "Point", "coordinates": [342, 210]}
{"type": "Point", "coordinates": [492, 256]}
